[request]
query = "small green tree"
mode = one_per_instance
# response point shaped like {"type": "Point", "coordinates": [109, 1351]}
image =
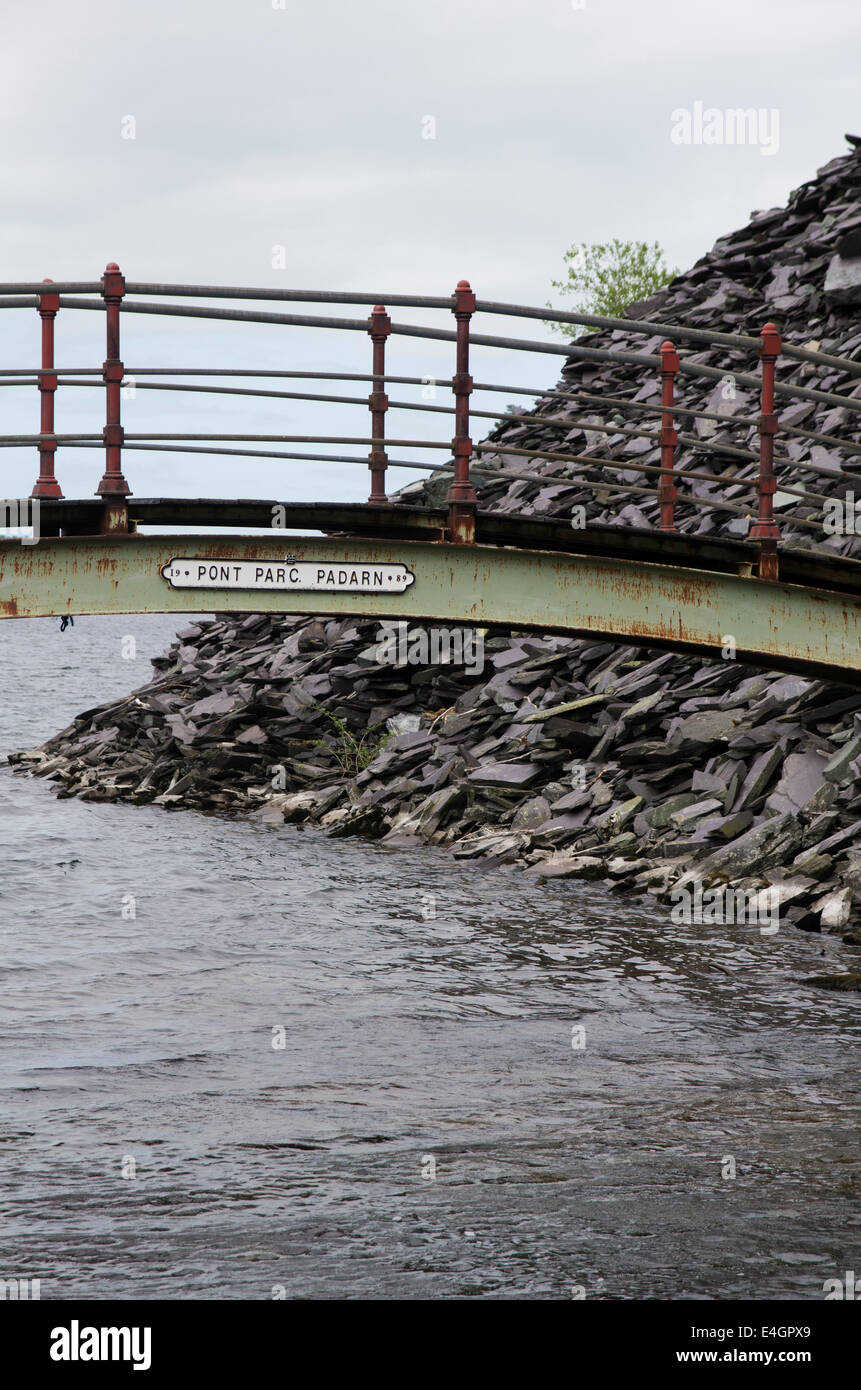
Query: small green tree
{"type": "Point", "coordinates": [607, 276]}
{"type": "Point", "coordinates": [352, 754]}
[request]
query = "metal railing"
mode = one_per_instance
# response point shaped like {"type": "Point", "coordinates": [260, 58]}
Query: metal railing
{"type": "Point", "coordinates": [466, 458]}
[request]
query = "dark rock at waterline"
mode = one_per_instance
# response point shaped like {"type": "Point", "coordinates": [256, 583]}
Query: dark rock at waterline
{"type": "Point", "coordinates": [847, 983]}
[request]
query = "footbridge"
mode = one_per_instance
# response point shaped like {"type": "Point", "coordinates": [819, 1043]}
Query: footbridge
{"type": "Point", "coordinates": [792, 607]}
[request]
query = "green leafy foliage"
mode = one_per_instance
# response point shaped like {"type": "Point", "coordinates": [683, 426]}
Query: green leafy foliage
{"type": "Point", "coordinates": [351, 754]}
{"type": "Point", "coordinates": [605, 277]}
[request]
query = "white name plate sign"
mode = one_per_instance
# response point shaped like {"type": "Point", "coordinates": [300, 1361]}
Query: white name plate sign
{"type": "Point", "coordinates": [315, 576]}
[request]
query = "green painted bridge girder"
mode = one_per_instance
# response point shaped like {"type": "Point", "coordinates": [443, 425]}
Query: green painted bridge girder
{"type": "Point", "coordinates": [773, 625]}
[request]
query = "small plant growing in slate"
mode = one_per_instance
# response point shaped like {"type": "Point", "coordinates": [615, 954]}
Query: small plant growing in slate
{"type": "Point", "coordinates": [351, 754]}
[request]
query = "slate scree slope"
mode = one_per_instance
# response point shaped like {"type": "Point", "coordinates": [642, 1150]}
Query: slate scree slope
{"type": "Point", "coordinates": [568, 757]}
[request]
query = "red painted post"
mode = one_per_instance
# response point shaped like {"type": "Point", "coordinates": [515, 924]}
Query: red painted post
{"type": "Point", "coordinates": [46, 484]}
{"type": "Point", "coordinates": [380, 326]}
{"type": "Point", "coordinates": [461, 495]}
{"type": "Point", "coordinates": [765, 529]}
{"type": "Point", "coordinates": [669, 437]}
{"type": "Point", "coordinates": [113, 486]}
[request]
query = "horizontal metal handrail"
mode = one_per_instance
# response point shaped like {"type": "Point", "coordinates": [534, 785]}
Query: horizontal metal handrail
{"type": "Point", "coordinates": [550, 393]}
{"type": "Point", "coordinates": [587, 460]}
{"type": "Point", "coordinates": [718, 504]}
{"type": "Point", "coordinates": [541, 422]}
{"type": "Point", "coordinates": [547, 394]}
{"type": "Point", "coordinates": [624, 466]}
{"type": "Point", "coordinates": [510, 310]}
{"type": "Point", "coordinates": [255, 391]}
{"type": "Point", "coordinates": [50, 371]}
{"type": "Point", "coordinates": [479, 340]}
{"type": "Point", "coordinates": [137, 447]}
{"type": "Point", "coordinates": [368, 440]}
{"type": "Point", "coordinates": [403, 301]}
{"type": "Point", "coordinates": [36, 287]}
{"type": "Point", "coordinates": [675, 330]}
{"type": "Point", "coordinates": [754, 473]}
{"type": "Point", "coordinates": [504, 475]}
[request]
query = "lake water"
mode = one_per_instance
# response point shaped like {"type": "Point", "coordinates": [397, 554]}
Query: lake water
{"type": "Point", "coordinates": [337, 1070]}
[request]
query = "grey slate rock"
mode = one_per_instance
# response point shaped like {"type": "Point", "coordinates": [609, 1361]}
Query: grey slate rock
{"type": "Point", "coordinates": [843, 280]}
{"type": "Point", "coordinates": [762, 770]}
{"type": "Point", "coordinates": [531, 814]}
{"type": "Point", "coordinates": [800, 778]}
{"type": "Point", "coordinates": [505, 774]}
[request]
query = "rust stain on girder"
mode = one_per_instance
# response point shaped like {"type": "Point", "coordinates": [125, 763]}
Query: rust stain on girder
{"type": "Point", "coordinates": [610, 597]}
{"type": "Point", "coordinates": [106, 570]}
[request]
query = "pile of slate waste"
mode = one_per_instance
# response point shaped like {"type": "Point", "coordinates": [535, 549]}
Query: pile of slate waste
{"type": "Point", "coordinates": [569, 758]}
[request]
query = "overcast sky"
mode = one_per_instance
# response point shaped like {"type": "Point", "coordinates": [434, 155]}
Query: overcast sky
{"type": "Point", "coordinates": [258, 126]}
